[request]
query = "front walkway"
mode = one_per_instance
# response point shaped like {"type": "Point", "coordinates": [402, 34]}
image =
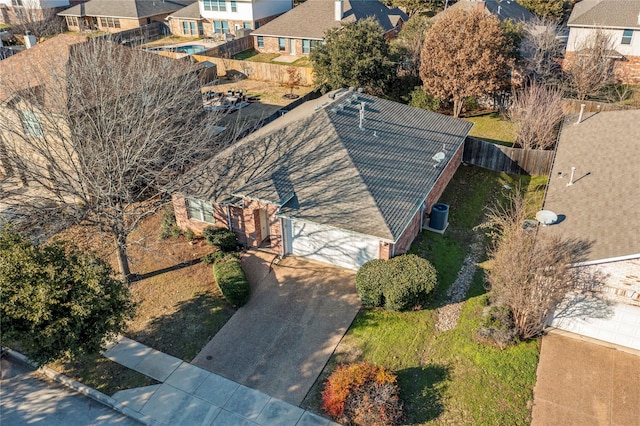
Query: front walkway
{"type": "Point", "coordinates": [281, 340]}
{"type": "Point", "coordinates": [583, 383]}
{"type": "Point", "coordinates": [192, 396]}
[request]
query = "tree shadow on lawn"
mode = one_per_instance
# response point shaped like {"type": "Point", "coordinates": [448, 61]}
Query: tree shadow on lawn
{"type": "Point", "coordinates": [139, 277]}
{"type": "Point", "coordinates": [187, 330]}
{"type": "Point", "coordinates": [421, 389]}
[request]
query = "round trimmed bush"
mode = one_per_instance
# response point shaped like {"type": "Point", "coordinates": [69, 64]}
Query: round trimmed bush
{"type": "Point", "coordinates": [397, 284]}
{"type": "Point", "coordinates": [222, 238]}
{"type": "Point", "coordinates": [231, 280]}
{"type": "Point", "coordinates": [363, 394]}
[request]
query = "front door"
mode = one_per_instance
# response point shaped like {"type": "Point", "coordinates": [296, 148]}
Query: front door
{"type": "Point", "coordinates": [292, 46]}
{"type": "Point", "coordinates": [264, 225]}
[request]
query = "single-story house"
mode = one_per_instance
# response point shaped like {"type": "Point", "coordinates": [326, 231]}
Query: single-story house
{"type": "Point", "coordinates": [341, 180]}
{"type": "Point", "coordinates": [118, 15]}
{"type": "Point", "coordinates": [300, 30]}
{"type": "Point", "coordinates": [593, 189]}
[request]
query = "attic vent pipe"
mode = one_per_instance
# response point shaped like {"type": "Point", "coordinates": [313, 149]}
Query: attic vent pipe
{"type": "Point", "coordinates": [362, 115]}
{"type": "Point", "coordinates": [573, 170]}
{"type": "Point", "coordinates": [582, 106]}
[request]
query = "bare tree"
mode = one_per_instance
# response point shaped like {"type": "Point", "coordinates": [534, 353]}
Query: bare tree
{"type": "Point", "coordinates": [41, 22]}
{"type": "Point", "coordinates": [591, 69]}
{"type": "Point", "coordinates": [541, 50]}
{"type": "Point", "coordinates": [292, 81]}
{"type": "Point", "coordinates": [464, 54]}
{"type": "Point", "coordinates": [530, 272]}
{"type": "Point", "coordinates": [409, 43]}
{"type": "Point", "coordinates": [536, 111]}
{"type": "Point", "coordinates": [105, 134]}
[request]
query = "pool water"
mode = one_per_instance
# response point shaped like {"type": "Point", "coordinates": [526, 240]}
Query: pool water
{"type": "Point", "coordinates": [191, 49]}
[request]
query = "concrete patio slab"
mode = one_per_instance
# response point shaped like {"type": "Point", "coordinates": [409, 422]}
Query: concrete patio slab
{"type": "Point", "coordinates": [158, 365]}
{"type": "Point", "coordinates": [279, 413]}
{"type": "Point", "coordinates": [227, 418]}
{"type": "Point", "coordinates": [216, 389]}
{"type": "Point", "coordinates": [581, 382]}
{"type": "Point", "coordinates": [127, 352]}
{"type": "Point", "coordinates": [310, 419]}
{"type": "Point", "coordinates": [247, 402]}
{"type": "Point", "coordinates": [288, 59]}
{"type": "Point", "coordinates": [279, 342]}
{"type": "Point", "coordinates": [187, 377]}
{"type": "Point", "coordinates": [135, 398]}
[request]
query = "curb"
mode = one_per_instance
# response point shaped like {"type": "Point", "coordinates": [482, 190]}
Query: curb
{"type": "Point", "coordinates": [85, 390]}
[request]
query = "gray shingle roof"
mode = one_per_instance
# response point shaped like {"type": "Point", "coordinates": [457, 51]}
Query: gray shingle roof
{"type": "Point", "coordinates": [323, 168]}
{"type": "Point", "coordinates": [603, 203]}
{"type": "Point", "coordinates": [190, 12]}
{"type": "Point", "coordinates": [503, 9]}
{"type": "Point", "coordinates": [606, 13]}
{"type": "Point", "coordinates": [134, 9]}
{"type": "Point", "coordinates": [313, 18]}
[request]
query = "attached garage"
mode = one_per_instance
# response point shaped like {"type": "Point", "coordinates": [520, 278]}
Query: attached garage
{"type": "Point", "coordinates": [329, 245]}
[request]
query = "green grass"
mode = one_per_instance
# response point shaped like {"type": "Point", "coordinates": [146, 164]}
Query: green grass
{"type": "Point", "coordinates": [255, 56]}
{"type": "Point", "coordinates": [4, 26]}
{"type": "Point", "coordinates": [449, 378]}
{"type": "Point", "coordinates": [493, 128]}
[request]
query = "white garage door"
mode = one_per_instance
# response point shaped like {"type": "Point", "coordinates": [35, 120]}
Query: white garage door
{"type": "Point", "coordinates": [329, 245]}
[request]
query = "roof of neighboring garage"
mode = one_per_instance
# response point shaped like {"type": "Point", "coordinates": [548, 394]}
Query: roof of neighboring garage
{"type": "Point", "coordinates": [313, 18]}
{"type": "Point", "coordinates": [320, 166]}
{"type": "Point", "coordinates": [602, 204]}
{"type": "Point", "coordinates": [606, 14]}
{"type": "Point", "coordinates": [134, 9]}
{"type": "Point", "coordinates": [190, 12]}
{"type": "Point", "coordinates": [507, 9]}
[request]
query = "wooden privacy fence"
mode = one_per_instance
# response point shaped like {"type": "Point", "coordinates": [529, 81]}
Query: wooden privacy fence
{"type": "Point", "coordinates": [230, 48]}
{"type": "Point", "coordinates": [260, 71]}
{"type": "Point", "coordinates": [572, 106]}
{"type": "Point", "coordinates": [505, 159]}
{"type": "Point", "coordinates": [137, 36]}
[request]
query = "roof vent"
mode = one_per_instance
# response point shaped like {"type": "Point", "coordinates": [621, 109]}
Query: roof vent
{"type": "Point", "coordinates": [341, 106]}
{"type": "Point", "coordinates": [439, 157]}
{"type": "Point", "coordinates": [334, 110]}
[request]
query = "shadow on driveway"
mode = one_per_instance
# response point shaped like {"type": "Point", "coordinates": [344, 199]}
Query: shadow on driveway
{"type": "Point", "coordinates": [281, 340]}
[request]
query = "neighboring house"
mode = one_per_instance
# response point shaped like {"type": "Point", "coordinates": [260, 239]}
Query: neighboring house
{"type": "Point", "coordinates": [329, 181]}
{"type": "Point", "coordinates": [601, 204]}
{"type": "Point", "coordinates": [503, 9]}
{"type": "Point", "coordinates": [620, 19]}
{"type": "Point", "coordinates": [219, 18]}
{"type": "Point", "coordinates": [119, 15]}
{"type": "Point", "coordinates": [300, 30]}
{"type": "Point", "coordinates": [20, 11]}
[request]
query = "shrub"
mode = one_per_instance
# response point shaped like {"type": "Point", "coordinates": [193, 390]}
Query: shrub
{"type": "Point", "coordinates": [363, 394]}
{"type": "Point", "coordinates": [222, 238]}
{"type": "Point", "coordinates": [231, 280]}
{"type": "Point", "coordinates": [397, 284]}
{"type": "Point", "coordinates": [370, 281]}
{"type": "Point", "coordinates": [498, 328]}
{"type": "Point", "coordinates": [168, 226]}
{"type": "Point", "coordinates": [218, 256]}
{"type": "Point", "coordinates": [190, 235]}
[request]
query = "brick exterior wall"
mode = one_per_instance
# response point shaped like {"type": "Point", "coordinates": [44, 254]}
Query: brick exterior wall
{"type": "Point", "coordinates": [245, 222]}
{"type": "Point", "coordinates": [622, 280]}
{"type": "Point", "coordinates": [626, 70]}
{"type": "Point", "coordinates": [404, 242]}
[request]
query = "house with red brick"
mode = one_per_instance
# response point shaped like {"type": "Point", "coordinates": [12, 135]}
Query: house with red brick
{"type": "Point", "coordinates": [300, 30]}
{"type": "Point", "coordinates": [113, 16]}
{"type": "Point", "coordinates": [23, 11]}
{"type": "Point", "coordinates": [341, 181]}
{"type": "Point", "coordinates": [620, 20]}
{"type": "Point", "coordinates": [593, 188]}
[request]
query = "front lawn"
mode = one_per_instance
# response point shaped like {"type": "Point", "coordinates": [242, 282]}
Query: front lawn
{"type": "Point", "coordinates": [493, 128]}
{"type": "Point", "coordinates": [448, 377]}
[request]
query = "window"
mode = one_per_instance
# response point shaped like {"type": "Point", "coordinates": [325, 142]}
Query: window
{"type": "Point", "coordinates": [215, 5]}
{"type": "Point", "coordinates": [192, 26]}
{"type": "Point", "coordinates": [626, 36]}
{"type": "Point", "coordinates": [309, 45]}
{"type": "Point", "coordinates": [281, 44]}
{"type": "Point", "coordinates": [185, 28]}
{"type": "Point", "coordinates": [16, 3]}
{"type": "Point", "coordinates": [200, 28]}
{"type": "Point", "coordinates": [221, 27]}
{"type": "Point", "coordinates": [200, 210]}
{"type": "Point", "coordinates": [260, 41]}
{"type": "Point", "coordinates": [72, 21]}
{"type": "Point", "coordinates": [31, 124]}
{"type": "Point", "coordinates": [305, 46]}
{"type": "Point", "coordinates": [109, 22]}
{"type": "Point", "coordinates": [246, 25]}
{"type": "Point", "coordinates": [234, 6]}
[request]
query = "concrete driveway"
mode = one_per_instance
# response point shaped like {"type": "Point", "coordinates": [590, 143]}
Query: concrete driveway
{"type": "Point", "coordinates": [581, 382]}
{"type": "Point", "coordinates": [280, 341]}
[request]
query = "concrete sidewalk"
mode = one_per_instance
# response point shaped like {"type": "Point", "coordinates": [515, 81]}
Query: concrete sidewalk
{"type": "Point", "coordinates": [190, 395]}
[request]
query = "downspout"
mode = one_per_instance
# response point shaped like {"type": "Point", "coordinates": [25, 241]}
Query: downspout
{"type": "Point", "coordinates": [393, 250]}
{"type": "Point", "coordinates": [229, 217]}
{"type": "Point", "coordinates": [282, 234]}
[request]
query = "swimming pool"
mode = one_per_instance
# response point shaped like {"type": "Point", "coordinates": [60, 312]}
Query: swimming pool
{"type": "Point", "coordinates": [190, 49]}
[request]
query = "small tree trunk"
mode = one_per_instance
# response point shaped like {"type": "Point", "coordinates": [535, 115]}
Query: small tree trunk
{"type": "Point", "coordinates": [457, 107]}
{"type": "Point", "coordinates": [123, 259]}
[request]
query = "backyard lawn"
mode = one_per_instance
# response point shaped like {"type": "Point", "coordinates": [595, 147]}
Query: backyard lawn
{"type": "Point", "coordinates": [448, 377]}
{"type": "Point", "coordinates": [494, 128]}
{"type": "Point", "coordinates": [255, 56]}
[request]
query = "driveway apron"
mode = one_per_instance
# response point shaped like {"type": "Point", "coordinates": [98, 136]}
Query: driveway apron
{"type": "Point", "coordinates": [281, 340]}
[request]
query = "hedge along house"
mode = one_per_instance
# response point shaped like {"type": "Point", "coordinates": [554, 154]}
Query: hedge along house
{"type": "Point", "coordinates": [341, 181]}
{"type": "Point", "coordinates": [300, 30]}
